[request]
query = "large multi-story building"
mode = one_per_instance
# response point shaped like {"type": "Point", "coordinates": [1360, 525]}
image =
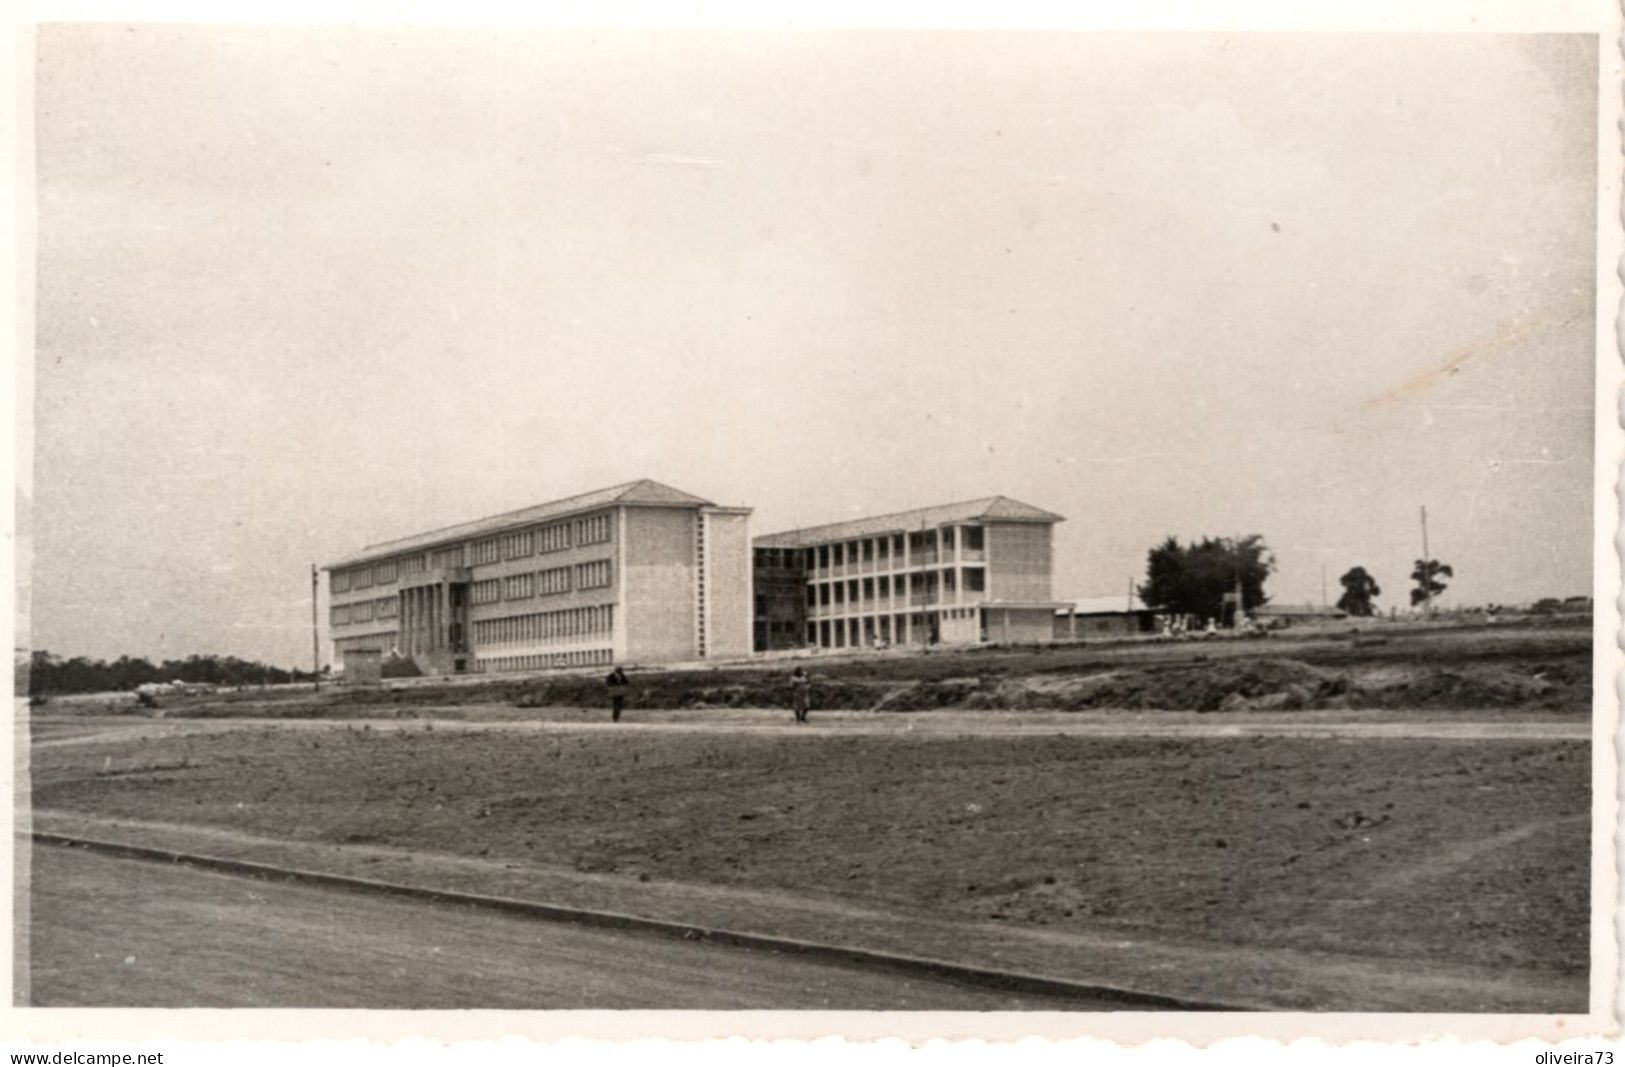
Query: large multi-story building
{"type": "Point", "coordinates": [639, 572]}
{"type": "Point", "coordinates": [958, 573]}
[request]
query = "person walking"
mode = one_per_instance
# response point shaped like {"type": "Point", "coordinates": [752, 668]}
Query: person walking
{"type": "Point", "coordinates": [617, 683]}
{"type": "Point", "coordinates": [801, 692]}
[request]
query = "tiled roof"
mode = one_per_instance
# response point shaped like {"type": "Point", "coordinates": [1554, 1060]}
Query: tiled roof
{"type": "Point", "coordinates": [644, 492]}
{"type": "Point", "coordinates": [994, 508]}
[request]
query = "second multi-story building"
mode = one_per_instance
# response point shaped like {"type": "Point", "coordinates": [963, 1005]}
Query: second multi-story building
{"type": "Point", "coordinates": [958, 573]}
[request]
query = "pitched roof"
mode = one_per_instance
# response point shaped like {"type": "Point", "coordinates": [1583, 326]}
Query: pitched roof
{"type": "Point", "coordinates": [643, 492]}
{"type": "Point", "coordinates": [991, 508]}
{"type": "Point", "coordinates": [1102, 605]}
{"type": "Point", "coordinates": [1306, 610]}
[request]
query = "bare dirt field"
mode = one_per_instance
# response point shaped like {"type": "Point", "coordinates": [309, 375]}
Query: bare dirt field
{"type": "Point", "coordinates": [1448, 836]}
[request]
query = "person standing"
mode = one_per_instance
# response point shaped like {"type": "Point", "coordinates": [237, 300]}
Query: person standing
{"type": "Point", "coordinates": [617, 683]}
{"type": "Point", "coordinates": [801, 693]}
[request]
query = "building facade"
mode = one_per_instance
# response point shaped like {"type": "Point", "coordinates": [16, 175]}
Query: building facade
{"type": "Point", "coordinates": [956, 574]}
{"type": "Point", "coordinates": [639, 572]}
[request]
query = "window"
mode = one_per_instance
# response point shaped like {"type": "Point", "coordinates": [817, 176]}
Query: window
{"type": "Point", "coordinates": [339, 581]}
{"type": "Point", "coordinates": [361, 578]}
{"type": "Point", "coordinates": [449, 558]}
{"type": "Point", "coordinates": [486, 592]}
{"type": "Point", "coordinates": [361, 611]}
{"type": "Point", "coordinates": [973, 538]}
{"type": "Point", "coordinates": [519, 545]}
{"type": "Point", "coordinates": [487, 551]}
{"type": "Point", "coordinates": [975, 579]}
{"type": "Point", "coordinates": [383, 573]}
{"type": "Point", "coordinates": [340, 614]}
{"type": "Point", "coordinates": [519, 586]}
{"type": "Point", "coordinates": [388, 607]}
{"type": "Point", "coordinates": [547, 628]}
{"type": "Point", "coordinates": [553, 581]}
{"type": "Point", "coordinates": [592, 530]}
{"type": "Point", "coordinates": [554, 538]}
{"type": "Point", "coordinates": [592, 575]}
{"type": "Point", "coordinates": [414, 564]}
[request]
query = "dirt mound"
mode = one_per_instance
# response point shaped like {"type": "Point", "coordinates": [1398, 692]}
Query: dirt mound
{"type": "Point", "coordinates": [1481, 687]}
{"type": "Point", "coordinates": [1223, 686]}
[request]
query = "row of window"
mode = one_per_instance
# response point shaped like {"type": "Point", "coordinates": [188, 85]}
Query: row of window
{"type": "Point", "coordinates": [551, 582]}
{"type": "Point", "coordinates": [387, 607]}
{"type": "Point", "coordinates": [554, 537]}
{"type": "Point", "coordinates": [780, 559]}
{"type": "Point", "coordinates": [388, 571]}
{"type": "Point", "coordinates": [889, 551]}
{"type": "Point", "coordinates": [854, 590]}
{"type": "Point", "coordinates": [891, 629]}
{"type": "Point", "coordinates": [366, 643]}
{"type": "Point", "coordinates": [547, 627]}
{"type": "Point", "coordinates": [520, 544]}
{"type": "Point", "coordinates": [587, 657]}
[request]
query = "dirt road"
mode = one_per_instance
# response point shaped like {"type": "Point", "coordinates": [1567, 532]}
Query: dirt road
{"type": "Point", "coordinates": [127, 933]}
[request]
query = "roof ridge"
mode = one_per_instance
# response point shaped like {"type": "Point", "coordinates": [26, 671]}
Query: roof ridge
{"type": "Point", "coordinates": [984, 507]}
{"type": "Point", "coordinates": [618, 490]}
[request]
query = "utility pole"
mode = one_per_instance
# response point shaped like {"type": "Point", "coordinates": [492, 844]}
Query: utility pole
{"type": "Point", "coordinates": [315, 637]}
{"type": "Point", "coordinates": [1241, 603]}
{"type": "Point", "coordinates": [1427, 570]}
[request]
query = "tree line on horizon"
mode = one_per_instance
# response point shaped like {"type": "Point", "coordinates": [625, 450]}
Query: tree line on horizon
{"type": "Point", "coordinates": [48, 674]}
{"type": "Point", "coordinates": [1200, 578]}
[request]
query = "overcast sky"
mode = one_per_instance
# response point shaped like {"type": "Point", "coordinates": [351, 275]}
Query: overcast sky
{"type": "Point", "coordinates": [300, 290]}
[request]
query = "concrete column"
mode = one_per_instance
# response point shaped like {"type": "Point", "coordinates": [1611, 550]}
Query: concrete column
{"type": "Point", "coordinates": [445, 615]}
{"type": "Point", "coordinates": [429, 618]}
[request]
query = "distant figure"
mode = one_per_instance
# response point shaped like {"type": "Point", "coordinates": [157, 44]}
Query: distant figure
{"type": "Point", "coordinates": [617, 682]}
{"type": "Point", "coordinates": [801, 692]}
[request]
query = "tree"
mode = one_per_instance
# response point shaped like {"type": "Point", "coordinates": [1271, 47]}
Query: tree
{"type": "Point", "coordinates": [1426, 575]}
{"type": "Point", "coordinates": [1193, 579]}
{"type": "Point", "coordinates": [1359, 588]}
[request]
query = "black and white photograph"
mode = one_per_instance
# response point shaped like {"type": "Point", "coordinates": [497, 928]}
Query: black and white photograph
{"type": "Point", "coordinates": [1094, 530]}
